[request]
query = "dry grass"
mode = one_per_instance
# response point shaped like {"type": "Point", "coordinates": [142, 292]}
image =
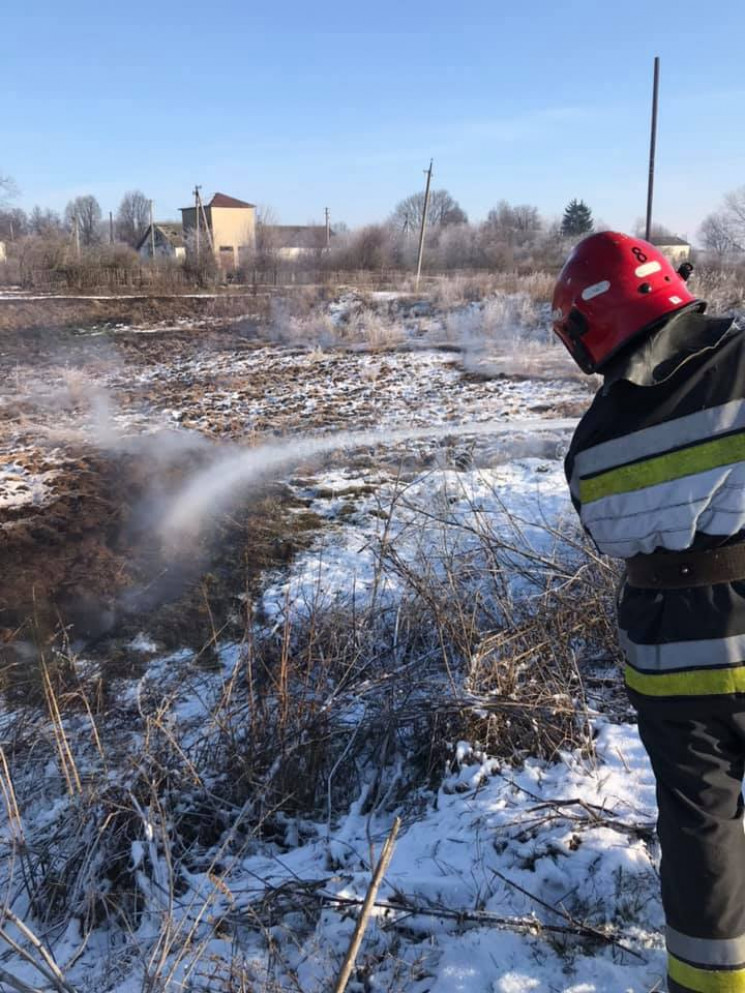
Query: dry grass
{"type": "Point", "coordinates": [154, 806]}
{"type": "Point", "coordinates": [723, 289]}
{"type": "Point", "coordinates": [75, 312]}
{"type": "Point", "coordinates": [454, 290]}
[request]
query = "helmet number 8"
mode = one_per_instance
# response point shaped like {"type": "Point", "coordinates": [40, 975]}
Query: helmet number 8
{"type": "Point", "coordinates": [638, 254]}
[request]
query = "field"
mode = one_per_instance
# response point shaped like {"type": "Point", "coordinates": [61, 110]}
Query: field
{"type": "Point", "coordinates": [283, 571]}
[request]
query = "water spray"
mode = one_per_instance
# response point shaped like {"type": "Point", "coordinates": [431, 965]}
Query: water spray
{"type": "Point", "coordinates": [212, 488]}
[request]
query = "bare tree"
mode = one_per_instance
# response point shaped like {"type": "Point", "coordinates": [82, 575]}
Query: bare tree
{"type": "Point", "coordinates": [132, 217]}
{"type": "Point", "coordinates": [723, 231]}
{"type": "Point", "coordinates": [658, 233]}
{"type": "Point", "coordinates": [88, 213]}
{"type": "Point", "coordinates": [370, 248]}
{"type": "Point", "coordinates": [8, 189]}
{"type": "Point", "coordinates": [734, 206]}
{"type": "Point", "coordinates": [514, 225]}
{"type": "Point", "coordinates": [267, 238]}
{"type": "Point", "coordinates": [13, 223]}
{"type": "Point", "coordinates": [443, 210]}
{"type": "Point", "coordinates": [45, 223]}
{"type": "Point", "coordinates": [717, 235]}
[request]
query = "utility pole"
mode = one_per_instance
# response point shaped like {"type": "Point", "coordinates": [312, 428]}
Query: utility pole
{"type": "Point", "coordinates": [196, 214]}
{"type": "Point", "coordinates": [111, 228]}
{"type": "Point", "coordinates": [207, 231]}
{"type": "Point", "coordinates": [152, 232]}
{"type": "Point", "coordinates": [327, 212]}
{"type": "Point", "coordinates": [424, 225]}
{"type": "Point", "coordinates": [76, 234]}
{"type": "Point", "coordinates": [652, 146]}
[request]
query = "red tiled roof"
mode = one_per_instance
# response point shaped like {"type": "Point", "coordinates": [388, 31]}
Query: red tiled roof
{"type": "Point", "coordinates": [221, 200]}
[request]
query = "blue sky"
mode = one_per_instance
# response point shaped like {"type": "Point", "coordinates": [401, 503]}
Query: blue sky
{"type": "Point", "coordinates": [299, 106]}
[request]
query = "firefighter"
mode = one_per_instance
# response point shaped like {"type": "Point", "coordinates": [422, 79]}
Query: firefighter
{"type": "Point", "coordinates": [656, 471]}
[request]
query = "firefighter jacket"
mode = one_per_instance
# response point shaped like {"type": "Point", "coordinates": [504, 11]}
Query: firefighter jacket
{"type": "Point", "coordinates": [658, 464]}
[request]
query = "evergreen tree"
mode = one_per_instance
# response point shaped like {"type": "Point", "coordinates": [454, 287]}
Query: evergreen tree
{"type": "Point", "coordinates": [577, 219]}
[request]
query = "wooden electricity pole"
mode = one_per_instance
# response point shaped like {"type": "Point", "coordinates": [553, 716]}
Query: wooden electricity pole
{"type": "Point", "coordinates": [196, 214]}
{"type": "Point", "coordinates": [652, 147]}
{"type": "Point", "coordinates": [200, 207]}
{"type": "Point", "coordinates": [111, 228]}
{"type": "Point", "coordinates": [152, 233]}
{"type": "Point", "coordinates": [424, 225]}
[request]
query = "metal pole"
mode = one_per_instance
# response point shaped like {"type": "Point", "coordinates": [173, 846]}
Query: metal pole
{"type": "Point", "coordinates": [652, 147]}
{"type": "Point", "coordinates": [111, 228]}
{"type": "Point", "coordinates": [424, 225]}
{"type": "Point", "coordinates": [76, 234]}
{"type": "Point", "coordinates": [328, 226]}
{"type": "Point", "coordinates": [152, 233]}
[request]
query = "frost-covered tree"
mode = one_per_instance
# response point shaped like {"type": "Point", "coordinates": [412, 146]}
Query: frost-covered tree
{"type": "Point", "coordinates": [723, 231]}
{"type": "Point", "coordinates": [442, 210]}
{"type": "Point", "coordinates": [513, 225]}
{"type": "Point", "coordinates": [717, 235]}
{"type": "Point", "coordinates": [577, 219]}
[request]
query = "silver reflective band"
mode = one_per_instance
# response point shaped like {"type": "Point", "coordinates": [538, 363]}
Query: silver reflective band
{"type": "Point", "coordinates": [706, 951]}
{"type": "Point", "coordinates": [667, 515]}
{"type": "Point", "coordinates": [704, 654]}
{"type": "Point", "coordinates": [658, 439]}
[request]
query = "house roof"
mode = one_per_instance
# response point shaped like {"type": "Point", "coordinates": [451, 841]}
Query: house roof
{"type": "Point", "coordinates": [671, 239]}
{"type": "Point", "coordinates": [172, 231]}
{"type": "Point", "coordinates": [297, 235]}
{"type": "Point", "coordinates": [221, 200]}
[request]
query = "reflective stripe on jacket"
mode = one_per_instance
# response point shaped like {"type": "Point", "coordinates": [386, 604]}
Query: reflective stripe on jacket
{"type": "Point", "coordinates": [661, 466]}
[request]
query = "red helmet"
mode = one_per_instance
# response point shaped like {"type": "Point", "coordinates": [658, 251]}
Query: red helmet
{"type": "Point", "coordinates": [613, 288]}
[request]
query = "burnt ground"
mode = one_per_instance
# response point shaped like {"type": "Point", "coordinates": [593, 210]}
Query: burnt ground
{"type": "Point", "coordinates": [101, 422]}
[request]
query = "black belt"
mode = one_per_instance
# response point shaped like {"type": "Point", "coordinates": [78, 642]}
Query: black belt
{"type": "Point", "coordinates": [678, 570]}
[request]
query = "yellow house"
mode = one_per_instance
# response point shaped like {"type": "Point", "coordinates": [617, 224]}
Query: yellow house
{"type": "Point", "coordinates": [232, 229]}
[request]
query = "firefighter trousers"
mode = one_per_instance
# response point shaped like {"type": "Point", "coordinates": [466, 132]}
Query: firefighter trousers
{"type": "Point", "coordinates": [697, 750]}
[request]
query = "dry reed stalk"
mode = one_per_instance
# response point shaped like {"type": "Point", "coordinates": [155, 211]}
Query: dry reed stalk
{"type": "Point", "coordinates": [367, 907]}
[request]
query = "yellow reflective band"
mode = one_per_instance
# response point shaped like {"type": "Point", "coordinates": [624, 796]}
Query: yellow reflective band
{"type": "Point", "coordinates": [664, 468]}
{"type": "Point", "coordinates": [706, 980]}
{"type": "Point", "coordinates": [696, 682]}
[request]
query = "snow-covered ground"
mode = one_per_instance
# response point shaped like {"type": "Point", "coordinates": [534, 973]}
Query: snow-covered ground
{"type": "Point", "coordinates": [122, 846]}
{"type": "Point", "coordinates": [487, 862]}
{"type": "Point", "coordinates": [505, 879]}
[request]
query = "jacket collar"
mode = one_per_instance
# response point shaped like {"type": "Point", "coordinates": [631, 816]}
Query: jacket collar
{"type": "Point", "coordinates": [669, 347]}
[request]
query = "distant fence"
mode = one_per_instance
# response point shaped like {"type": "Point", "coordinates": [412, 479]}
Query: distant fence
{"type": "Point", "coordinates": [112, 278]}
{"type": "Point", "coordinates": [149, 279]}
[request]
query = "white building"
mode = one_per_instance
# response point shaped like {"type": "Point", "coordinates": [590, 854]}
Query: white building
{"type": "Point", "coordinates": [169, 242]}
{"type": "Point", "coordinates": [675, 249]}
{"type": "Point", "coordinates": [293, 241]}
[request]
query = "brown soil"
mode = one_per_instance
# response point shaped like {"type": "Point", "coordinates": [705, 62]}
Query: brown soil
{"type": "Point", "coordinates": [87, 564]}
{"type": "Point", "coordinates": [71, 312]}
